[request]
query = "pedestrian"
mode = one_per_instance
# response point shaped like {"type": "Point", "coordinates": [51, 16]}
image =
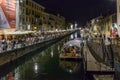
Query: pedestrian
{"type": "Point", "coordinates": [82, 43]}
{"type": "Point", "coordinates": [117, 38]}
{"type": "Point", "coordinates": [108, 48]}
{"type": "Point", "coordinates": [107, 41]}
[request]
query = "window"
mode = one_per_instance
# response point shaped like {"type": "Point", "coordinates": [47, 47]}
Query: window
{"type": "Point", "coordinates": [26, 2]}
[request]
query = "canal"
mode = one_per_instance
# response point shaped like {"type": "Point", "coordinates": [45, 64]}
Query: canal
{"type": "Point", "coordinates": [43, 64]}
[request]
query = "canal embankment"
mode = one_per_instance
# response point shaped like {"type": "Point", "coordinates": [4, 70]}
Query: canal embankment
{"type": "Point", "coordinates": [11, 55]}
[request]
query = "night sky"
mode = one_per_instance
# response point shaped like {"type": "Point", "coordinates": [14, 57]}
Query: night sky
{"type": "Point", "coordinates": [80, 11]}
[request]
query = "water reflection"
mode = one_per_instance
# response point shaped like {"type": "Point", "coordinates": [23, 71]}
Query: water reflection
{"type": "Point", "coordinates": [13, 75]}
{"type": "Point", "coordinates": [58, 47]}
{"type": "Point", "coordinates": [10, 76]}
{"type": "Point", "coordinates": [52, 54]}
{"type": "Point", "coordinates": [45, 65]}
{"type": "Point", "coordinates": [70, 66]}
{"type": "Point", "coordinates": [36, 68]}
{"type": "Point", "coordinates": [74, 36]}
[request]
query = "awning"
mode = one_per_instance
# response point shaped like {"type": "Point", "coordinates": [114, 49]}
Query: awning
{"type": "Point", "coordinates": [16, 33]}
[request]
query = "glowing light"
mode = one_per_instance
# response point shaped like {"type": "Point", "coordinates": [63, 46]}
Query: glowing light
{"type": "Point", "coordinates": [75, 35]}
{"type": "Point", "coordinates": [71, 26]}
{"type": "Point", "coordinates": [71, 37]}
{"type": "Point", "coordinates": [58, 47]}
{"type": "Point", "coordinates": [56, 30]}
{"type": "Point", "coordinates": [52, 53]}
{"type": "Point", "coordinates": [70, 71]}
{"type": "Point", "coordinates": [36, 67]}
{"type": "Point", "coordinates": [0, 1]}
{"type": "Point", "coordinates": [76, 25]}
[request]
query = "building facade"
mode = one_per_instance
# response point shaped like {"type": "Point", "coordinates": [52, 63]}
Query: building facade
{"type": "Point", "coordinates": [33, 17]}
{"type": "Point", "coordinates": [95, 28]}
{"type": "Point", "coordinates": [106, 25]}
{"type": "Point", "coordinates": [56, 22]}
{"type": "Point", "coordinates": [27, 15]}
{"type": "Point", "coordinates": [118, 16]}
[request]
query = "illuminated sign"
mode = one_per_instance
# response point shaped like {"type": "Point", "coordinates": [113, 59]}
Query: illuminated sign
{"type": "Point", "coordinates": [7, 14]}
{"type": "Point", "coordinates": [0, 1]}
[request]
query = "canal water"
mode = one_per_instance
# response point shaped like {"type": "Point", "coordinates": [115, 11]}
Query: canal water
{"type": "Point", "coordinates": [43, 64]}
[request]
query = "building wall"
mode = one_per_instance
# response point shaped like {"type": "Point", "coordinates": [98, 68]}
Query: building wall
{"type": "Point", "coordinates": [60, 22]}
{"type": "Point", "coordinates": [56, 22]}
{"type": "Point", "coordinates": [104, 24]}
{"type": "Point", "coordinates": [118, 16]}
{"type": "Point", "coordinates": [33, 17]}
{"type": "Point", "coordinates": [96, 26]}
{"type": "Point", "coordinates": [31, 14]}
{"type": "Point", "coordinates": [45, 21]}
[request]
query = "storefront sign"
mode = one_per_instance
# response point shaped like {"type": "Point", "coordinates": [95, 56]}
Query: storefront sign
{"type": "Point", "coordinates": [7, 14]}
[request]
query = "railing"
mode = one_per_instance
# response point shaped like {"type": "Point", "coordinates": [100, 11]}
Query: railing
{"type": "Point", "coordinates": [98, 66]}
{"type": "Point", "coordinates": [115, 41]}
{"type": "Point", "coordinates": [102, 52]}
{"type": "Point", "coordinates": [8, 45]}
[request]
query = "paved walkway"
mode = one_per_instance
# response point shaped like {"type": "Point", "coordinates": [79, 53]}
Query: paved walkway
{"type": "Point", "coordinates": [103, 77]}
{"type": "Point", "coordinates": [95, 66]}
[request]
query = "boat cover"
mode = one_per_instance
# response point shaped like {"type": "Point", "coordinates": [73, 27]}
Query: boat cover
{"type": "Point", "coordinates": [74, 43]}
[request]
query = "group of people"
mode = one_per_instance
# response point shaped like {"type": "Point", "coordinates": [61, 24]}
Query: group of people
{"type": "Point", "coordinates": [70, 51]}
{"type": "Point", "coordinates": [19, 42]}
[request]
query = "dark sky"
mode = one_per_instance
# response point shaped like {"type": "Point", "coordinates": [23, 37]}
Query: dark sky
{"type": "Point", "coordinates": [80, 11]}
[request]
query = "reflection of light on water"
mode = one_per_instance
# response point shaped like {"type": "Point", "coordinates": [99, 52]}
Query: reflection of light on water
{"type": "Point", "coordinates": [70, 71]}
{"type": "Point", "coordinates": [36, 68]}
{"type": "Point", "coordinates": [42, 53]}
{"type": "Point", "coordinates": [70, 67]}
{"type": "Point", "coordinates": [75, 35]}
{"type": "Point", "coordinates": [16, 73]}
{"type": "Point", "coordinates": [52, 53]}
{"type": "Point", "coordinates": [58, 47]}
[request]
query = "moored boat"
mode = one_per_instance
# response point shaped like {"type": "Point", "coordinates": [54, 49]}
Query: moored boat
{"type": "Point", "coordinates": [71, 50]}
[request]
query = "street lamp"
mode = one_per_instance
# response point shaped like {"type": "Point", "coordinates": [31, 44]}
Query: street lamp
{"type": "Point", "coordinates": [71, 26]}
